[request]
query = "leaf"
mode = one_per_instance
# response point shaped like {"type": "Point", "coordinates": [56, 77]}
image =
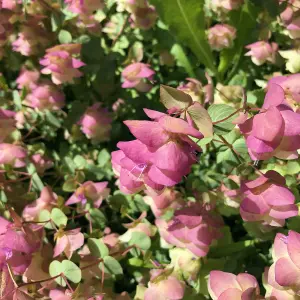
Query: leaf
{"type": "Point", "coordinates": [201, 118]}
{"type": "Point", "coordinates": [171, 98]}
{"type": "Point", "coordinates": [97, 248]}
{"type": "Point", "coordinates": [70, 164]}
{"type": "Point", "coordinates": [219, 112]}
{"type": "Point", "coordinates": [140, 239]}
{"type": "Point", "coordinates": [52, 119]}
{"type": "Point", "coordinates": [64, 37]}
{"type": "Point", "coordinates": [111, 266]}
{"type": "Point", "coordinates": [71, 271]}
{"type": "Point", "coordinates": [187, 22]}
{"type": "Point", "coordinates": [58, 217]}
{"type": "Point", "coordinates": [103, 158]}
{"type": "Point", "coordinates": [55, 269]}
{"type": "Point", "coordinates": [17, 100]}
{"type": "Point", "coordinates": [69, 185]}
{"type": "Point", "coordinates": [36, 180]}
{"type": "Point", "coordinates": [44, 216]}
{"type": "Point", "coordinates": [182, 59]}
{"type": "Point", "coordinates": [80, 162]}
{"type": "Point", "coordinates": [98, 218]}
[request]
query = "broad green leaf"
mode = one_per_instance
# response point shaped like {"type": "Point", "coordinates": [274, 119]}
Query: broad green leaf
{"type": "Point", "coordinates": [17, 100]}
{"type": "Point", "coordinates": [111, 266]}
{"type": "Point", "coordinates": [69, 185]}
{"type": "Point", "coordinates": [98, 218]}
{"type": "Point", "coordinates": [201, 118]}
{"type": "Point", "coordinates": [55, 269]}
{"type": "Point", "coordinates": [187, 22]}
{"type": "Point", "coordinates": [44, 216]}
{"type": "Point", "coordinates": [103, 158]}
{"type": "Point", "coordinates": [171, 98]}
{"type": "Point", "coordinates": [141, 240]}
{"type": "Point", "coordinates": [71, 271]}
{"type": "Point", "coordinates": [58, 217]}
{"type": "Point", "coordinates": [64, 37]}
{"type": "Point", "coordinates": [182, 59]}
{"type": "Point", "coordinates": [52, 119]}
{"type": "Point", "coordinates": [219, 112]}
{"type": "Point", "coordinates": [70, 164]}
{"type": "Point", "coordinates": [80, 162]}
{"type": "Point", "coordinates": [97, 248]}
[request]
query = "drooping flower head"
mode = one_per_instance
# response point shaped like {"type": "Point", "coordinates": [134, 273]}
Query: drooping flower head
{"type": "Point", "coordinates": [12, 155]}
{"type": "Point", "coordinates": [166, 287]}
{"type": "Point", "coordinates": [226, 5]}
{"type": "Point", "coordinates": [134, 76]}
{"type": "Point", "coordinates": [223, 285]}
{"type": "Point", "coordinates": [267, 200]}
{"type": "Point", "coordinates": [60, 62]}
{"type": "Point", "coordinates": [262, 51]}
{"type": "Point", "coordinates": [27, 78]}
{"type": "Point", "coordinates": [96, 123]}
{"type": "Point", "coordinates": [7, 123]}
{"type": "Point", "coordinates": [194, 88]}
{"type": "Point", "coordinates": [87, 7]}
{"type": "Point", "coordinates": [160, 156]}
{"type": "Point", "coordinates": [275, 131]}
{"type": "Point", "coordinates": [221, 36]}
{"type": "Point", "coordinates": [44, 96]}
{"type": "Point", "coordinates": [193, 227]}
{"type": "Point", "coordinates": [284, 273]}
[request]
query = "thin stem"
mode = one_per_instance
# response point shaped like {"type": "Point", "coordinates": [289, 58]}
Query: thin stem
{"type": "Point", "coordinates": [228, 117]}
{"type": "Point", "coordinates": [234, 152]}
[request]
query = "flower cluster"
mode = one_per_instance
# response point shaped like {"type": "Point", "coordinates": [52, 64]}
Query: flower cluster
{"type": "Point", "coordinates": [160, 156]}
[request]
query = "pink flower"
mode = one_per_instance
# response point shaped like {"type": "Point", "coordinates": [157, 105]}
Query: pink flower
{"type": "Point", "coordinates": [17, 244]}
{"type": "Point", "coordinates": [9, 4]}
{"type": "Point", "coordinates": [41, 163]}
{"type": "Point", "coordinates": [47, 201]}
{"type": "Point", "coordinates": [144, 18]}
{"type": "Point", "coordinates": [7, 123]}
{"type": "Point", "coordinates": [193, 228]}
{"type": "Point", "coordinates": [160, 156]}
{"type": "Point", "coordinates": [45, 96]}
{"type": "Point", "coordinates": [167, 288]}
{"type": "Point", "coordinates": [291, 89]}
{"type": "Point", "coordinates": [118, 104]}
{"type": "Point", "coordinates": [294, 28]}
{"type": "Point", "coordinates": [222, 285]}
{"type": "Point", "coordinates": [68, 242]}
{"type": "Point", "coordinates": [221, 36]}
{"type": "Point", "coordinates": [266, 199]}
{"type": "Point", "coordinates": [31, 38]}
{"type": "Point", "coordinates": [134, 75]}
{"type": "Point", "coordinates": [275, 131]}
{"type": "Point", "coordinates": [261, 52]}
{"type": "Point", "coordinates": [284, 273]}
{"type": "Point", "coordinates": [12, 155]}
{"type": "Point", "coordinates": [60, 62]}
{"type": "Point", "coordinates": [194, 88]}
{"type": "Point", "coordinates": [168, 200]}
{"type": "Point", "coordinates": [95, 192]}
{"type": "Point", "coordinates": [226, 5]}
{"type": "Point", "coordinates": [27, 78]}
{"type": "Point", "coordinates": [87, 7]}
{"type": "Point", "coordinates": [232, 196]}
{"type": "Point", "coordinates": [96, 123]}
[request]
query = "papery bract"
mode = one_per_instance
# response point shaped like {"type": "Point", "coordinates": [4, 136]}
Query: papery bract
{"type": "Point", "coordinates": [96, 123]}
{"type": "Point", "coordinates": [262, 51]}
{"type": "Point", "coordinates": [221, 36]}
{"type": "Point", "coordinates": [134, 76]}
{"type": "Point", "coordinates": [222, 285]}
{"type": "Point", "coordinates": [61, 63]}
{"type": "Point", "coordinates": [7, 123]}
{"type": "Point", "coordinates": [192, 227]}
{"type": "Point", "coordinates": [268, 200]}
{"type": "Point", "coordinates": [12, 155]}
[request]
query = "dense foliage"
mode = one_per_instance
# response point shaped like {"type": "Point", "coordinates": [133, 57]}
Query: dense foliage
{"type": "Point", "coordinates": [149, 149]}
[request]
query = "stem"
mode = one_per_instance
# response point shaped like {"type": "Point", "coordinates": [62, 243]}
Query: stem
{"type": "Point", "coordinates": [234, 152]}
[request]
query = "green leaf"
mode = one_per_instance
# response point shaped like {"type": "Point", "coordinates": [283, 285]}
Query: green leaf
{"type": "Point", "coordinates": [98, 218]}
{"type": "Point", "coordinates": [187, 22]}
{"type": "Point", "coordinates": [111, 266]}
{"type": "Point", "coordinates": [219, 112]}
{"type": "Point", "coordinates": [80, 162]}
{"type": "Point", "coordinates": [17, 100]}
{"type": "Point", "coordinates": [182, 59]}
{"type": "Point", "coordinates": [55, 269]}
{"type": "Point", "coordinates": [44, 216]}
{"type": "Point", "coordinates": [52, 119]}
{"type": "Point", "coordinates": [37, 183]}
{"type": "Point", "coordinates": [103, 158]}
{"type": "Point", "coordinates": [201, 118]}
{"type": "Point", "coordinates": [64, 37]}
{"type": "Point", "coordinates": [58, 217]}
{"type": "Point", "coordinates": [71, 271]}
{"type": "Point", "coordinates": [171, 98]}
{"type": "Point", "coordinates": [97, 248]}
{"type": "Point", "coordinates": [140, 239]}
{"type": "Point", "coordinates": [69, 185]}
{"type": "Point", "coordinates": [70, 164]}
